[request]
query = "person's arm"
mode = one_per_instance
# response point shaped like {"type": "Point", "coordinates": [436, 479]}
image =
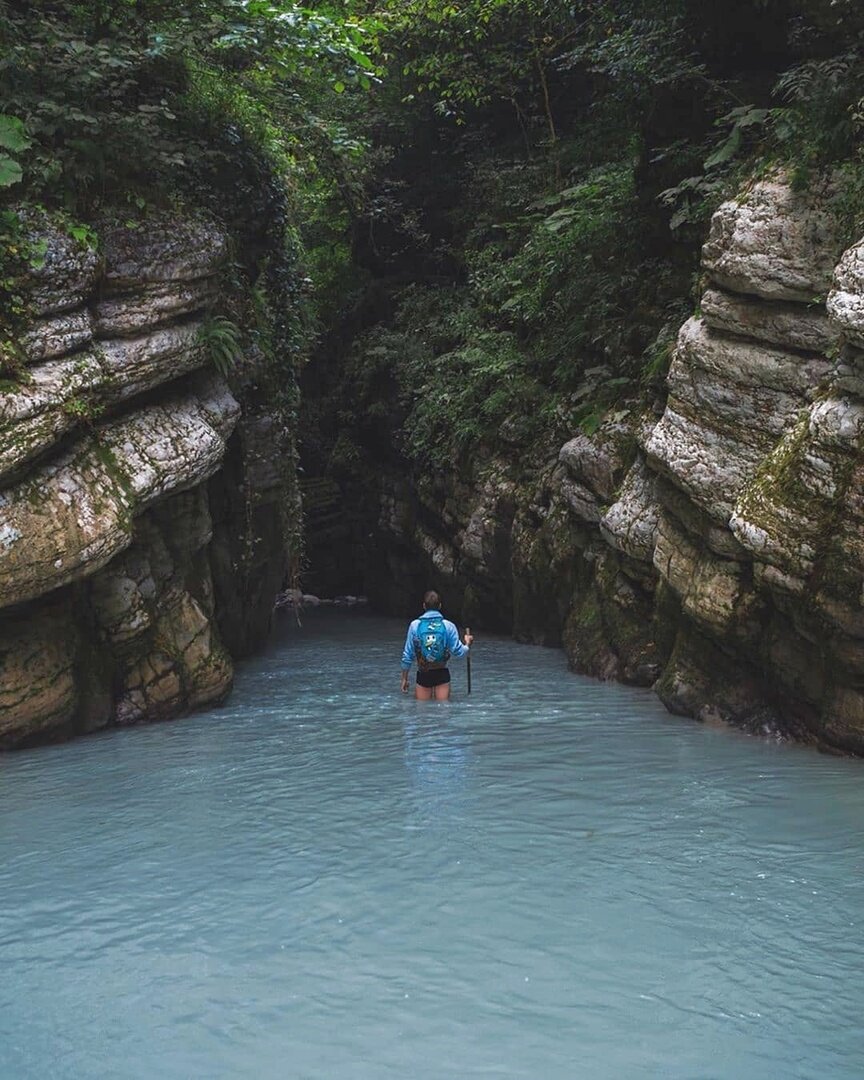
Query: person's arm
{"type": "Point", "coordinates": [456, 647]}
{"type": "Point", "coordinates": [407, 656]}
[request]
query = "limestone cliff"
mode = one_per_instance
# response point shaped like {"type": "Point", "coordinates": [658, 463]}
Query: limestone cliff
{"type": "Point", "coordinates": [142, 509]}
{"type": "Point", "coordinates": [715, 551]}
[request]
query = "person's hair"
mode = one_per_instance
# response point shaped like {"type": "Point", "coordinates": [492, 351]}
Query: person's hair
{"type": "Point", "coordinates": [431, 600]}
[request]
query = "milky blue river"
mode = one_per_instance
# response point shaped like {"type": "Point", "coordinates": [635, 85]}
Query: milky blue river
{"type": "Point", "coordinates": [323, 880]}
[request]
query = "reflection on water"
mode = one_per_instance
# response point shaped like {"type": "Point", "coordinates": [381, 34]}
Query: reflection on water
{"type": "Point", "coordinates": [438, 758]}
{"type": "Point", "coordinates": [326, 879]}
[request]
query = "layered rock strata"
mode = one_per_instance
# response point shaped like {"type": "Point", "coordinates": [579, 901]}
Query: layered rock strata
{"type": "Point", "coordinates": [716, 552]}
{"type": "Point", "coordinates": [122, 452]}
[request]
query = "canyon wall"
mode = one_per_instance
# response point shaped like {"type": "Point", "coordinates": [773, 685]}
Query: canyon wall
{"type": "Point", "coordinates": [145, 504]}
{"type": "Point", "coordinates": [710, 545]}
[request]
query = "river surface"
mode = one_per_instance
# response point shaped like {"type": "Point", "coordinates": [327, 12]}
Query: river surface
{"type": "Point", "coordinates": [551, 879]}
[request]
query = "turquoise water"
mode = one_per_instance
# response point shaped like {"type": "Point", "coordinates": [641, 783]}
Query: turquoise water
{"type": "Point", "coordinates": [550, 879]}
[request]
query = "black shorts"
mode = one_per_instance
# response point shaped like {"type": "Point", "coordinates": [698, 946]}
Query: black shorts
{"type": "Point", "coordinates": [433, 677]}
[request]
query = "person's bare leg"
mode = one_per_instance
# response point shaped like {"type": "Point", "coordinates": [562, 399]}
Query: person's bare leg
{"type": "Point", "coordinates": [442, 692]}
{"type": "Point", "coordinates": [424, 693]}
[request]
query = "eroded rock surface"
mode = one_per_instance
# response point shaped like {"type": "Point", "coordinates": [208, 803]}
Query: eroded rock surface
{"type": "Point", "coordinates": [757, 466]}
{"type": "Point", "coordinates": [115, 593]}
{"type": "Point", "coordinates": [774, 242]}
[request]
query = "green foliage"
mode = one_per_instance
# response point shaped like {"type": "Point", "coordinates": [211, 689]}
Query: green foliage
{"type": "Point", "coordinates": [637, 48]}
{"type": "Point", "coordinates": [813, 120]}
{"type": "Point", "coordinates": [658, 356]}
{"type": "Point", "coordinates": [222, 339]}
{"type": "Point", "coordinates": [545, 335]}
{"type": "Point", "coordinates": [695, 198]}
{"type": "Point", "coordinates": [572, 239]}
{"type": "Point", "coordinates": [462, 397]}
{"type": "Point", "coordinates": [823, 112]}
{"type": "Point", "coordinates": [82, 410]}
{"type": "Point", "coordinates": [820, 126]}
{"type": "Point", "coordinates": [468, 54]}
{"type": "Point", "coordinates": [242, 108]}
{"type": "Point", "coordinates": [112, 92]}
{"type": "Point", "coordinates": [17, 254]}
{"type": "Point", "coordinates": [740, 120]}
{"type": "Point", "coordinates": [848, 203]}
{"type": "Point", "coordinates": [13, 142]}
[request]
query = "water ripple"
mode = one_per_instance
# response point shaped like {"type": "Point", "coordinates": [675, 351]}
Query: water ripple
{"type": "Point", "coordinates": [323, 879]}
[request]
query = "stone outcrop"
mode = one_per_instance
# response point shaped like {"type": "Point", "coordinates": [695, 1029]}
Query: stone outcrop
{"type": "Point", "coordinates": [74, 514]}
{"type": "Point", "coordinates": [132, 479]}
{"type": "Point", "coordinates": [774, 242]}
{"type": "Point", "coordinates": [716, 551]}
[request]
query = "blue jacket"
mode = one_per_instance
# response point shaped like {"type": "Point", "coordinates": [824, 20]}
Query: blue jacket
{"type": "Point", "coordinates": [455, 646]}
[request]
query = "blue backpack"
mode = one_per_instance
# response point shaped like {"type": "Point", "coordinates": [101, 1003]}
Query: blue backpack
{"type": "Point", "coordinates": [431, 642]}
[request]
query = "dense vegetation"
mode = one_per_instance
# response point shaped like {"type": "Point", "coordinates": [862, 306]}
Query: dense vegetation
{"type": "Point", "coordinates": [484, 217]}
{"type": "Point", "coordinates": [120, 107]}
{"type": "Point", "coordinates": [527, 243]}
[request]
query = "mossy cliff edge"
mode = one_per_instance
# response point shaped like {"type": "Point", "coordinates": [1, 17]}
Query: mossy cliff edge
{"type": "Point", "coordinates": [147, 494]}
{"type": "Point", "coordinates": [714, 551]}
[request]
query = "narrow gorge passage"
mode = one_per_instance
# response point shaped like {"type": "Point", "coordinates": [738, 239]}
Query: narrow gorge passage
{"type": "Point", "coordinates": [325, 878]}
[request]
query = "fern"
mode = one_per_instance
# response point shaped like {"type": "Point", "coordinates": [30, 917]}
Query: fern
{"type": "Point", "coordinates": [222, 339]}
{"type": "Point", "coordinates": [820, 122]}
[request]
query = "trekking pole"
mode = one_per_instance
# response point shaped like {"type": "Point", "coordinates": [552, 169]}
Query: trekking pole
{"type": "Point", "coordinates": [468, 661]}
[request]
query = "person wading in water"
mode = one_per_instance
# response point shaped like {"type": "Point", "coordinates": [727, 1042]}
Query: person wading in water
{"type": "Point", "coordinates": [431, 641]}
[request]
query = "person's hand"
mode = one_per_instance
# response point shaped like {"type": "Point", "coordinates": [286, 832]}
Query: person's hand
{"type": "Point", "coordinates": [404, 682]}
{"type": "Point", "coordinates": [468, 639]}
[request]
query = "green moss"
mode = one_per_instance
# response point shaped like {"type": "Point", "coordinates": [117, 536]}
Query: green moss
{"type": "Point", "coordinates": [13, 386]}
{"type": "Point", "coordinates": [779, 497]}
{"type": "Point", "coordinates": [82, 409]}
{"type": "Point", "coordinates": [107, 458]}
{"type": "Point", "coordinates": [779, 473]}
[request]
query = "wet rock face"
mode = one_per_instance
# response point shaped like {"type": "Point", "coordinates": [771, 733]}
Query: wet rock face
{"type": "Point", "coordinates": [716, 553]}
{"type": "Point", "coordinates": [112, 449]}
